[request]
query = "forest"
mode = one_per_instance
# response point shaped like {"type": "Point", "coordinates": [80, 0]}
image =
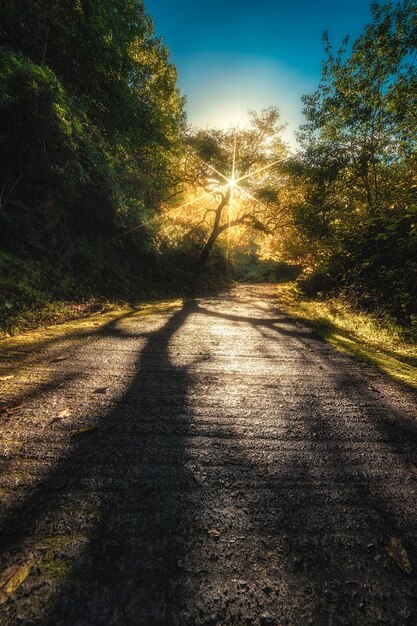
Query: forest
{"type": "Point", "coordinates": [108, 193]}
{"type": "Point", "coordinates": [208, 364]}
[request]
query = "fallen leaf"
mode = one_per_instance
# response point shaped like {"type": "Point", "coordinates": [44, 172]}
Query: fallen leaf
{"type": "Point", "coordinates": [398, 554]}
{"type": "Point", "coordinates": [7, 377]}
{"type": "Point", "coordinates": [199, 477]}
{"type": "Point", "coordinates": [64, 413]}
{"type": "Point", "coordinates": [100, 390]}
{"type": "Point", "coordinates": [214, 534]}
{"type": "Point", "coordinates": [85, 429]}
{"type": "Point", "coordinates": [413, 469]}
{"type": "Point", "coordinates": [12, 577]}
{"type": "Point", "coordinates": [198, 473]}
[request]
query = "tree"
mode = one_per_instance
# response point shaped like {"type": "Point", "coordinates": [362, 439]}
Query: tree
{"type": "Point", "coordinates": [363, 110]}
{"type": "Point", "coordinates": [239, 171]}
{"type": "Point", "coordinates": [90, 118]}
{"type": "Point", "coordinates": [356, 222]}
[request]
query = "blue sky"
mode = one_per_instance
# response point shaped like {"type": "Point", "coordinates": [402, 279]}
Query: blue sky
{"type": "Point", "coordinates": [232, 55]}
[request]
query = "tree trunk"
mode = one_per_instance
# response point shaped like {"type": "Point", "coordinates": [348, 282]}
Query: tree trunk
{"type": "Point", "coordinates": [205, 253]}
{"type": "Point", "coordinates": [217, 229]}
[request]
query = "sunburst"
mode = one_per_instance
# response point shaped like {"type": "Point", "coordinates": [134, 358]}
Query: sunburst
{"type": "Point", "coordinates": [232, 183]}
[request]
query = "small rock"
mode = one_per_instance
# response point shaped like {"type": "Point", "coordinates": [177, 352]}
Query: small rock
{"type": "Point", "coordinates": [358, 600]}
{"type": "Point", "coordinates": [328, 595]}
{"type": "Point", "coordinates": [100, 390]}
{"type": "Point", "coordinates": [266, 619]}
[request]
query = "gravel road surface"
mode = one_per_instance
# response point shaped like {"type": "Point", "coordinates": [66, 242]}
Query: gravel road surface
{"type": "Point", "coordinates": [212, 462]}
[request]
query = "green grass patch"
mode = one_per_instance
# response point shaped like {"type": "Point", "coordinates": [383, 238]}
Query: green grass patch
{"type": "Point", "coordinates": [372, 338]}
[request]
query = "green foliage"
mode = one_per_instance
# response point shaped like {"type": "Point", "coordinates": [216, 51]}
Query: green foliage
{"type": "Point", "coordinates": [240, 169]}
{"type": "Point", "coordinates": [105, 53]}
{"type": "Point", "coordinates": [90, 125]}
{"type": "Point", "coordinates": [248, 268]}
{"type": "Point", "coordinates": [58, 174]}
{"type": "Point", "coordinates": [377, 266]}
{"type": "Point", "coordinates": [34, 290]}
{"type": "Point", "coordinates": [355, 225]}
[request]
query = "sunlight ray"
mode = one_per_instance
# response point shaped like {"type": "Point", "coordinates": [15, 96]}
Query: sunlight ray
{"type": "Point", "coordinates": [252, 197]}
{"type": "Point", "coordinates": [232, 189]}
{"type": "Point", "coordinates": [232, 182]}
{"type": "Point", "coordinates": [202, 197]}
{"type": "Point", "coordinates": [261, 169]}
{"type": "Point", "coordinates": [174, 209]}
{"type": "Point", "coordinates": [212, 168]}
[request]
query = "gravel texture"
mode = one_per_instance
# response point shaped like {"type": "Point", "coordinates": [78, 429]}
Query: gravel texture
{"type": "Point", "coordinates": [236, 470]}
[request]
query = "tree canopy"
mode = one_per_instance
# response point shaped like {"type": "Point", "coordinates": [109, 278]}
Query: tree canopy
{"type": "Point", "coordinates": [91, 119]}
{"type": "Point", "coordinates": [232, 179]}
{"type": "Point", "coordinates": [357, 223]}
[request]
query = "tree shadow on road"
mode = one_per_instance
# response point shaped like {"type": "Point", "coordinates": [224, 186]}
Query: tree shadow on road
{"type": "Point", "coordinates": [302, 514]}
{"type": "Point", "coordinates": [326, 507]}
{"type": "Point", "coordinates": [127, 491]}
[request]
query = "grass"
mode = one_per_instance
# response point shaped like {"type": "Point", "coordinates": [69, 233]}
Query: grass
{"type": "Point", "coordinates": [29, 339]}
{"type": "Point", "coordinates": [367, 337]}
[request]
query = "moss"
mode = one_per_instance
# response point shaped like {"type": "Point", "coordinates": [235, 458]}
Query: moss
{"type": "Point", "coordinates": [55, 566]}
{"type": "Point", "coordinates": [55, 562]}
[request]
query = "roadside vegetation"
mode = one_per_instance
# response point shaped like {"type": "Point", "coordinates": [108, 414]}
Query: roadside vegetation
{"type": "Point", "coordinates": [356, 226]}
{"type": "Point", "coordinates": [377, 340]}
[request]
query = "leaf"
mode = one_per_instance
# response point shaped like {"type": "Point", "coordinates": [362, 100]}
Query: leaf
{"type": "Point", "coordinates": [62, 415]}
{"type": "Point", "coordinates": [214, 534]}
{"type": "Point", "coordinates": [398, 554]}
{"type": "Point", "coordinates": [100, 390]}
{"type": "Point", "coordinates": [12, 577]}
{"type": "Point", "coordinates": [413, 469]}
{"type": "Point", "coordinates": [7, 377]}
{"type": "Point", "coordinates": [198, 473]}
{"type": "Point", "coordinates": [85, 429]}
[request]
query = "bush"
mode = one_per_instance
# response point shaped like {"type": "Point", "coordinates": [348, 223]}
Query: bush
{"type": "Point", "coordinates": [375, 267]}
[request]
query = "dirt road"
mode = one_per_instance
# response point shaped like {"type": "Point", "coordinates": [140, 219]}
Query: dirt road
{"type": "Point", "coordinates": [211, 463]}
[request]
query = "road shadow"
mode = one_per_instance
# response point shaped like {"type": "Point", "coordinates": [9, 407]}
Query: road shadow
{"type": "Point", "coordinates": [126, 491]}
{"type": "Point", "coordinates": [302, 514]}
{"type": "Point", "coordinates": [321, 505]}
